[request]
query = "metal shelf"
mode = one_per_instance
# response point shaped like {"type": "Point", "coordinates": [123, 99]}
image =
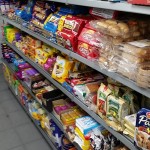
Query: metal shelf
{"type": "Point", "coordinates": [121, 137]}
{"type": "Point", "coordinates": [52, 116]}
{"type": "Point", "coordinates": [59, 1]}
{"type": "Point", "coordinates": [115, 76]}
{"type": "Point", "coordinates": [122, 6]}
{"type": "Point", "coordinates": [45, 135]}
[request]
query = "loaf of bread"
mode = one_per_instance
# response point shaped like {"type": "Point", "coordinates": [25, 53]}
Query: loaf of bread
{"type": "Point", "coordinates": [112, 27]}
{"type": "Point", "coordinates": [139, 48]}
{"type": "Point", "coordinates": [143, 75]}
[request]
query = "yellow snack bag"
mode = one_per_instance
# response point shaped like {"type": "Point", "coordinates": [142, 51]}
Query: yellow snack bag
{"type": "Point", "coordinates": [80, 139]}
{"type": "Point", "coordinates": [61, 23]}
{"type": "Point", "coordinates": [61, 69]}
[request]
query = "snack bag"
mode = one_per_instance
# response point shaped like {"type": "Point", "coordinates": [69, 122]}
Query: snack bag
{"type": "Point", "coordinates": [89, 44]}
{"type": "Point", "coordinates": [81, 140]}
{"type": "Point", "coordinates": [117, 109]}
{"type": "Point", "coordinates": [61, 69]}
{"type": "Point", "coordinates": [102, 95]}
{"type": "Point", "coordinates": [51, 23]}
{"type": "Point", "coordinates": [142, 129]}
{"type": "Point", "coordinates": [69, 29]}
{"type": "Point", "coordinates": [111, 27]}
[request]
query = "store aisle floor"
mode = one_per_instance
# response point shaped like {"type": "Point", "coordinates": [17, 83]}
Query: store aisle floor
{"type": "Point", "coordinates": [17, 132]}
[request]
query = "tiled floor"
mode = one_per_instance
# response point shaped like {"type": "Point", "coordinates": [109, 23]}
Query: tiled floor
{"type": "Point", "coordinates": [17, 132]}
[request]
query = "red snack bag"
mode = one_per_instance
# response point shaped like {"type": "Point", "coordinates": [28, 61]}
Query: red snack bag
{"type": "Point", "coordinates": [89, 44]}
{"type": "Point", "coordinates": [72, 27]}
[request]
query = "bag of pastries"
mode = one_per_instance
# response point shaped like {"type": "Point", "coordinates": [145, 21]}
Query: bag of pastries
{"type": "Point", "coordinates": [139, 48]}
{"type": "Point", "coordinates": [143, 75]}
{"type": "Point", "coordinates": [111, 27]}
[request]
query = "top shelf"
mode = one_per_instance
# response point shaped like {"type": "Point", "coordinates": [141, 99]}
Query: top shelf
{"type": "Point", "coordinates": [122, 6]}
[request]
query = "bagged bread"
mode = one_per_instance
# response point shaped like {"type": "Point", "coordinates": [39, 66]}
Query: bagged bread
{"type": "Point", "coordinates": [139, 48]}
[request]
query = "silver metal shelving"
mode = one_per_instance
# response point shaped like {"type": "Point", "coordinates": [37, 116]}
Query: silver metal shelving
{"type": "Point", "coordinates": [122, 138]}
{"type": "Point", "coordinates": [93, 65]}
{"type": "Point", "coordinates": [52, 116]}
{"type": "Point", "coordinates": [41, 70]}
{"type": "Point", "coordinates": [45, 135]}
{"type": "Point", "coordinates": [59, 1]}
{"type": "Point", "coordinates": [120, 6]}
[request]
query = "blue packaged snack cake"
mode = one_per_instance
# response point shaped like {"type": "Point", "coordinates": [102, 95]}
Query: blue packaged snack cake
{"type": "Point", "coordinates": [142, 129]}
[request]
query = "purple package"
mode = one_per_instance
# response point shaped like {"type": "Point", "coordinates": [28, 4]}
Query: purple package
{"type": "Point", "coordinates": [142, 129]}
{"type": "Point", "coordinates": [18, 37]}
{"type": "Point", "coordinates": [24, 66]}
{"type": "Point", "coordinates": [31, 72]}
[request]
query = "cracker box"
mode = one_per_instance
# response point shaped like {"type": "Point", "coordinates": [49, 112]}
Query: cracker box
{"type": "Point", "coordinates": [142, 129]}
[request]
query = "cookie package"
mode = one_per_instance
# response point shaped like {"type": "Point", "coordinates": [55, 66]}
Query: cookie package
{"type": "Point", "coordinates": [142, 130]}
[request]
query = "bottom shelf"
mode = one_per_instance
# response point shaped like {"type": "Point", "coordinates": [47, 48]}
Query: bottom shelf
{"type": "Point", "coordinates": [44, 134]}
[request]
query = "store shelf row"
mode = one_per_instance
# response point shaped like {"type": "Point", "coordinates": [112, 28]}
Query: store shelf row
{"type": "Point", "coordinates": [120, 6]}
{"type": "Point", "coordinates": [51, 115]}
{"type": "Point", "coordinates": [91, 64]}
{"type": "Point", "coordinates": [128, 142]}
{"type": "Point", "coordinates": [44, 134]}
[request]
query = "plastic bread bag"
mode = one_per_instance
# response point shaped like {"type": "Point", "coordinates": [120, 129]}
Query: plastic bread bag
{"type": "Point", "coordinates": [133, 99]}
{"type": "Point", "coordinates": [113, 64]}
{"type": "Point", "coordinates": [103, 63]}
{"type": "Point", "coordinates": [91, 101]}
{"type": "Point", "coordinates": [126, 69]}
{"type": "Point", "coordinates": [143, 75]}
{"type": "Point", "coordinates": [80, 91]}
{"type": "Point", "coordinates": [129, 58]}
{"type": "Point", "coordinates": [111, 27]}
{"type": "Point", "coordinates": [139, 48]}
{"type": "Point", "coordinates": [106, 54]}
{"type": "Point", "coordinates": [129, 73]}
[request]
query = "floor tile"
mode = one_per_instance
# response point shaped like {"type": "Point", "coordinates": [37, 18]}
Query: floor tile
{"type": "Point", "coordinates": [28, 133]}
{"type": "Point", "coordinates": [1, 70]}
{"type": "Point", "coordinates": [19, 118]}
{"type": "Point", "coordinates": [2, 111]}
{"type": "Point", "coordinates": [9, 139]}
{"type": "Point", "coordinates": [2, 77]}
{"type": "Point", "coordinates": [6, 95]}
{"type": "Point", "coordinates": [5, 123]}
{"type": "Point", "coordinates": [11, 106]}
{"type": "Point", "coordinates": [19, 148]}
{"type": "Point", "coordinates": [3, 86]}
{"type": "Point", "coordinates": [38, 145]}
